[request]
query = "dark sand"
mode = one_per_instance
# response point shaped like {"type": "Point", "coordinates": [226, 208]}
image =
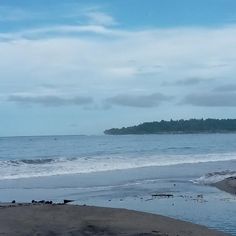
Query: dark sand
{"type": "Point", "coordinates": [51, 220]}
{"type": "Point", "coordinates": [227, 185]}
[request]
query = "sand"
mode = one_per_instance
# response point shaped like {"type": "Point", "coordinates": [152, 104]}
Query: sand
{"type": "Point", "coordinates": [51, 220]}
{"type": "Point", "coordinates": [227, 185]}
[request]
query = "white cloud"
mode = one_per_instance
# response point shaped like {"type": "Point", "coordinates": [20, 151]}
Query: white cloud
{"type": "Point", "coordinates": [101, 61]}
{"type": "Point", "coordinates": [56, 31]}
{"type": "Point", "coordinates": [100, 18]}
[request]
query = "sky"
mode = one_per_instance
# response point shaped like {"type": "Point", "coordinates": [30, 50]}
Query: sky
{"type": "Point", "coordinates": [80, 67]}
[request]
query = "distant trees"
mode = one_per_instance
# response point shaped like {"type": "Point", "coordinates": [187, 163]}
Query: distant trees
{"type": "Point", "coordinates": [178, 126]}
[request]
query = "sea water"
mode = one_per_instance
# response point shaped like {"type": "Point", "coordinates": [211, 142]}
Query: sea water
{"type": "Point", "coordinates": [45, 156]}
{"type": "Point", "coordinates": [125, 171]}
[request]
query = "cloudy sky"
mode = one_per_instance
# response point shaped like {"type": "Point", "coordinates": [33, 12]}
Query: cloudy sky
{"type": "Point", "coordinates": [79, 66]}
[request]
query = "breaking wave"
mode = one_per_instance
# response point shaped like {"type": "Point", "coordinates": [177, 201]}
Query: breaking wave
{"type": "Point", "coordinates": [26, 168]}
{"type": "Point", "coordinates": [214, 177]}
{"type": "Point", "coordinates": [32, 161]}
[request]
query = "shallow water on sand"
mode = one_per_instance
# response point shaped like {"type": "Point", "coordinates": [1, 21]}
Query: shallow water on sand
{"type": "Point", "coordinates": [134, 189]}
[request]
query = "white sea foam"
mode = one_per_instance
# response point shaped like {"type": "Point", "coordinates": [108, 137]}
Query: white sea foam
{"type": "Point", "coordinates": [14, 169]}
{"type": "Point", "coordinates": [214, 177]}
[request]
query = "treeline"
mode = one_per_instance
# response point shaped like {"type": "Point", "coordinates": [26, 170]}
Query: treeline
{"type": "Point", "coordinates": [178, 126]}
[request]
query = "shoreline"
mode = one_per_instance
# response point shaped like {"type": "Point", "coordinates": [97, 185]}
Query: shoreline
{"type": "Point", "coordinates": [61, 219]}
{"type": "Point", "coordinates": [138, 189]}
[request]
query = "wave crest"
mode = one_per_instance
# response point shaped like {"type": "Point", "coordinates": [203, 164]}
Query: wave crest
{"type": "Point", "coordinates": [214, 177]}
{"type": "Point", "coordinates": [48, 166]}
{"type": "Point", "coordinates": [32, 161]}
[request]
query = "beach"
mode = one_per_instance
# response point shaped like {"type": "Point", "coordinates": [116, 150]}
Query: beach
{"type": "Point", "coordinates": [176, 176]}
{"type": "Point", "coordinates": [50, 220]}
{"type": "Point", "coordinates": [174, 198]}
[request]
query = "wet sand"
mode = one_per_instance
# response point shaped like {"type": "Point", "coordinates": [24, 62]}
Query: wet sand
{"type": "Point", "coordinates": [56, 219]}
{"type": "Point", "coordinates": [227, 185]}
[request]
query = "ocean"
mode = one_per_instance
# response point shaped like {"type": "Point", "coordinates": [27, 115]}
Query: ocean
{"type": "Point", "coordinates": [125, 171]}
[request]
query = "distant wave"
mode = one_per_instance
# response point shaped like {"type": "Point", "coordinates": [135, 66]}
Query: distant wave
{"type": "Point", "coordinates": [180, 148]}
{"type": "Point", "coordinates": [211, 178]}
{"type": "Point", "coordinates": [33, 161]}
{"type": "Point", "coordinates": [26, 168]}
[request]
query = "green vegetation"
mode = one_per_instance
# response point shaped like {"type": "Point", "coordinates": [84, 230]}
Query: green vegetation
{"type": "Point", "coordinates": [179, 126]}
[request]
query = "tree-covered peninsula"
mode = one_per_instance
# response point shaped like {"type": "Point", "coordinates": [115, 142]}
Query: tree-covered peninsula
{"type": "Point", "coordinates": [178, 126]}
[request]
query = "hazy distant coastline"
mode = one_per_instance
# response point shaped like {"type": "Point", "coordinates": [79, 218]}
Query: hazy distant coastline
{"type": "Point", "coordinates": [178, 127]}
